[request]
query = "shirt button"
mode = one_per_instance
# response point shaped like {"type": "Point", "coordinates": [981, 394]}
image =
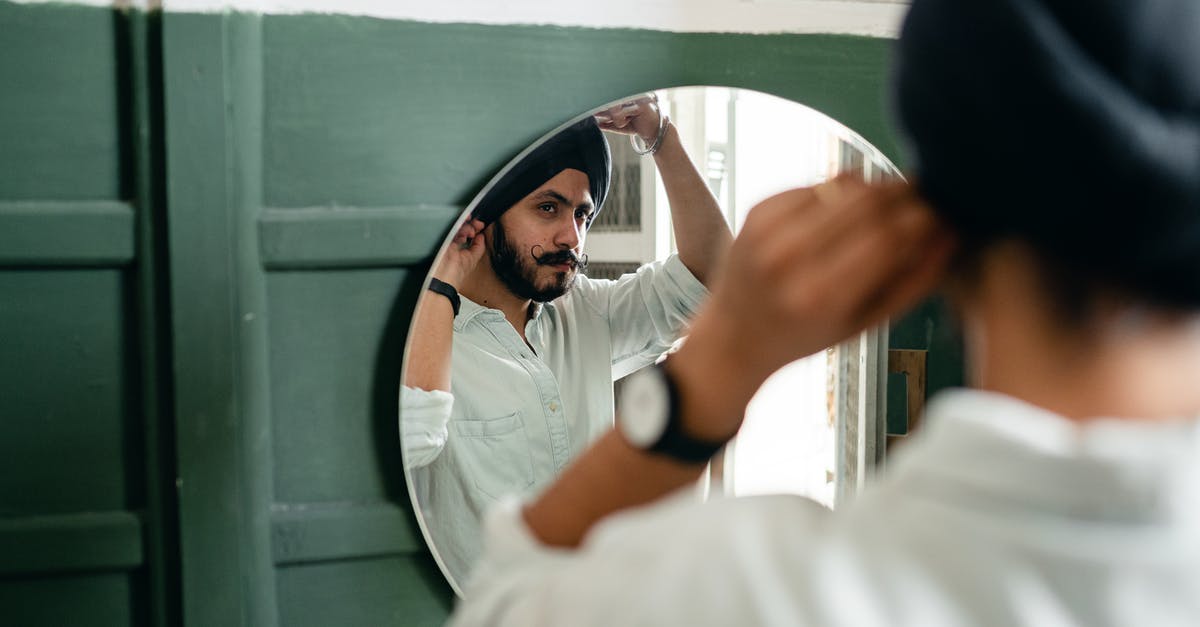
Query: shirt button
{"type": "Point", "coordinates": [553, 406]}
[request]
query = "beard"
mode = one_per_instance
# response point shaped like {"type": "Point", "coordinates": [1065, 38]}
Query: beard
{"type": "Point", "coordinates": [519, 272]}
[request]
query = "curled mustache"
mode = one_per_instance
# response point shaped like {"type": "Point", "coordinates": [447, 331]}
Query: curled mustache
{"type": "Point", "coordinates": [565, 255]}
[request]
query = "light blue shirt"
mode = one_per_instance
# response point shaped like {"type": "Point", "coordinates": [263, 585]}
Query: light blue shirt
{"type": "Point", "coordinates": [516, 415]}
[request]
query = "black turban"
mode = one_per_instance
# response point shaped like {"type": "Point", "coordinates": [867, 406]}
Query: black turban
{"type": "Point", "coordinates": [1072, 125]}
{"type": "Point", "coordinates": [580, 146]}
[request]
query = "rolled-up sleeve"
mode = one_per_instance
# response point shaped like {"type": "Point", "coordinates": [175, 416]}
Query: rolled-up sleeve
{"type": "Point", "coordinates": [647, 310]}
{"type": "Point", "coordinates": [424, 420]}
{"type": "Point", "coordinates": [515, 563]}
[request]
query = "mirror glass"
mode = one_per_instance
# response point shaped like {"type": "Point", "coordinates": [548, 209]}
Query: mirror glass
{"type": "Point", "coordinates": [568, 278]}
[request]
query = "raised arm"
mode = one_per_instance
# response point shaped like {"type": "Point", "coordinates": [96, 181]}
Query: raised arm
{"type": "Point", "coordinates": [425, 398]}
{"type": "Point", "coordinates": [432, 337]}
{"type": "Point", "coordinates": [810, 268]}
{"type": "Point", "coordinates": [701, 233]}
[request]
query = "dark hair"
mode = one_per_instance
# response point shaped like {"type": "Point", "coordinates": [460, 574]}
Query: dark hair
{"type": "Point", "coordinates": [1073, 293]}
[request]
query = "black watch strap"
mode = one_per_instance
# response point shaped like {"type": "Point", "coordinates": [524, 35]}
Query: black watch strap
{"type": "Point", "coordinates": [675, 443]}
{"type": "Point", "coordinates": [445, 289]}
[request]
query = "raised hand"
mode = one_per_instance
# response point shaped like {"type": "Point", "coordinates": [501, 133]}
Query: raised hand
{"type": "Point", "coordinates": [638, 116]}
{"type": "Point", "coordinates": [460, 258]}
{"type": "Point", "coordinates": [810, 268]}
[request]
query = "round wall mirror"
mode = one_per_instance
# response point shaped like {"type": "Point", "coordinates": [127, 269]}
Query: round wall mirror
{"type": "Point", "coordinates": [568, 272]}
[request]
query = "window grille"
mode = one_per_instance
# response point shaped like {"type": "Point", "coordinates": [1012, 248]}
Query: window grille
{"type": "Point", "coordinates": [623, 207]}
{"type": "Point", "coordinates": [610, 269]}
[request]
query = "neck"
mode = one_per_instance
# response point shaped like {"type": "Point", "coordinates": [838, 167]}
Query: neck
{"type": "Point", "coordinates": [485, 288]}
{"type": "Point", "coordinates": [1121, 362]}
{"type": "Point", "coordinates": [1143, 370]}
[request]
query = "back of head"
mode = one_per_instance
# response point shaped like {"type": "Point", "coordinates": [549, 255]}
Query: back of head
{"type": "Point", "coordinates": [1072, 126]}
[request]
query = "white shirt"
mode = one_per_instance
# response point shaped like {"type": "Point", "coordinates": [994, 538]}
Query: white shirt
{"type": "Point", "coordinates": [517, 416]}
{"type": "Point", "coordinates": [998, 513]}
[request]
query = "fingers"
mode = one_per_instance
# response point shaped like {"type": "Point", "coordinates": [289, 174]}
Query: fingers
{"type": "Point", "coordinates": [622, 117]}
{"type": "Point", "coordinates": [604, 122]}
{"type": "Point", "coordinates": [837, 200]}
{"type": "Point", "coordinates": [808, 232]}
{"type": "Point", "coordinates": [845, 252]}
{"type": "Point", "coordinates": [912, 283]}
{"type": "Point", "coordinates": [883, 266]}
{"type": "Point", "coordinates": [616, 119]}
{"type": "Point", "coordinates": [776, 211]}
{"type": "Point", "coordinates": [459, 259]}
{"type": "Point", "coordinates": [476, 244]}
{"type": "Point", "coordinates": [805, 228]}
{"type": "Point", "coordinates": [847, 206]}
{"type": "Point", "coordinates": [872, 253]}
{"type": "Point", "coordinates": [468, 230]}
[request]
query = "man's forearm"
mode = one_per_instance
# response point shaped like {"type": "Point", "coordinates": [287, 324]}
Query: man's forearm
{"type": "Point", "coordinates": [612, 475]}
{"type": "Point", "coordinates": [431, 344]}
{"type": "Point", "coordinates": [701, 233]}
{"type": "Point", "coordinates": [432, 339]}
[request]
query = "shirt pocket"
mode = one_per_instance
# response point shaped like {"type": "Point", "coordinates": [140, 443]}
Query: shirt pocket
{"type": "Point", "coordinates": [497, 454]}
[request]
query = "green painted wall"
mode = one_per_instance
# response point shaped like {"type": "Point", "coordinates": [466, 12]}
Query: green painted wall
{"type": "Point", "coordinates": [212, 231]}
{"type": "Point", "coordinates": [87, 514]}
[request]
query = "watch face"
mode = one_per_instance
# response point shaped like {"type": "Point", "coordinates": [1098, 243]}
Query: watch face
{"type": "Point", "coordinates": [642, 412]}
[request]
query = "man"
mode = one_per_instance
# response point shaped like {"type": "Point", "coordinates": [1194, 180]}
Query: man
{"type": "Point", "coordinates": [1063, 490]}
{"type": "Point", "coordinates": [500, 395]}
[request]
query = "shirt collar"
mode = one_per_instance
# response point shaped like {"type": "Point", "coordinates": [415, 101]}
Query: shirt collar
{"type": "Point", "coordinates": [469, 310]}
{"type": "Point", "coordinates": [536, 308]}
{"type": "Point", "coordinates": [1008, 449]}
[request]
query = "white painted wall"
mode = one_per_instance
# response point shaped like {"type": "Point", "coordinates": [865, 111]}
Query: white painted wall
{"type": "Point", "coordinates": [877, 18]}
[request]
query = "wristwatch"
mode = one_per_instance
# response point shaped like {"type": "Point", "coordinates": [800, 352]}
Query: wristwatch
{"type": "Point", "coordinates": [648, 417]}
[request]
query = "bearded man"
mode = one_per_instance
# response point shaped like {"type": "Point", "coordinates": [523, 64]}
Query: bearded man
{"type": "Point", "coordinates": [512, 358]}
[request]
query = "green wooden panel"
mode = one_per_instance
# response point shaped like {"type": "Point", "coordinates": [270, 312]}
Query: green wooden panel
{"type": "Point", "coordinates": [142, 64]}
{"type": "Point", "coordinates": [80, 437]}
{"type": "Point", "coordinates": [930, 326]}
{"type": "Point", "coordinates": [68, 434]}
{"type": "Point", "coordinates": [66, 233]}
{"type": "Point", "coordinates": [367, 112]}
{"type": "Point", "coordinates": [336, 341]}
{"type": "Point", "coordinates": [406, 591]}
{"type": "Point", "coordinates": [71, 542]}
{"type": "Point", "coordinates": [212, 74]}
{"type": "Point", "coordinates": [309, 533]}
{"type": "Point", "coordinates": [60, 114]}
{"type": "Point", "coordinates": [99, 600]}
{"type": "Point", "coordinates": [351, 237]}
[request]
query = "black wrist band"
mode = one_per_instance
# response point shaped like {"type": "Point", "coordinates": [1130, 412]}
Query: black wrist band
{"type": "Point", "coordinates": [445, 289]}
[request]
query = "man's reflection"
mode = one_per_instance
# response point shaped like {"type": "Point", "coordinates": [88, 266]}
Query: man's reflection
{"type": "Point", "coordinates": [501, 394]}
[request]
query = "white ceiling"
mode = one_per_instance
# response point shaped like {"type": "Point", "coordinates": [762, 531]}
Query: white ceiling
{"type": "Point", "coordinates": [878, 18]}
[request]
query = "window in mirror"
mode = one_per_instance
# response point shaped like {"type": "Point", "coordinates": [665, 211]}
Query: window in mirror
{"type": "Point", "coordinates": [753, 145]}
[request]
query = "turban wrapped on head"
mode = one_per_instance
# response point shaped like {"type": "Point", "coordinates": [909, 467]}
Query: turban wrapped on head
{"type": "Point", "coordinates": [1072, 125]}
{"type": "Point", "coordinates": [580, 146]}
